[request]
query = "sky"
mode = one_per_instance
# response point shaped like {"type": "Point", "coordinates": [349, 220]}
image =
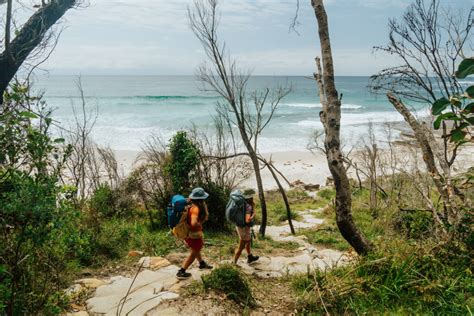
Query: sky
{"type": "Point", "coordinates": [152, 37]}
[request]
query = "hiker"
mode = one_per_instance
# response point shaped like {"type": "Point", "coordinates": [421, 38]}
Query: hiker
{"type": "Point", "coordinates": [245, 233]}
{"type": "Point", "coordinates": [197, 215]}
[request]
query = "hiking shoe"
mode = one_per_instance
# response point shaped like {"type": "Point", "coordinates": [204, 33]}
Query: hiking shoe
{"type": "Point", "coordinates": [182, 274]}
{"type": "Point", "coordinates": [204, 265]}
{"type": "Point", "coordinates": [252, 258]}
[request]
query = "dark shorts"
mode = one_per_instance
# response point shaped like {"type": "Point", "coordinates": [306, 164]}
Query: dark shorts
{"type": "Point", "coordinates": [194, 244]}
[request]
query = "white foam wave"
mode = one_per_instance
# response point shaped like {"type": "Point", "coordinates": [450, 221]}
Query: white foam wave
{"type": "Point", "coordinates": [318, 105]}
{"type": "Point", "coordinates": [362, 118]}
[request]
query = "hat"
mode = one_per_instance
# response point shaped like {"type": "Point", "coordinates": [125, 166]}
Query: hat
{"type": "Point", "coordinates": [248, 193]}
{"type": "Point", "coordinates": [198, 194]}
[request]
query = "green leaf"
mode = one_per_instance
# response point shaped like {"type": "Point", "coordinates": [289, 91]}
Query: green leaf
{"type": "Point", "coordinates": [469, 107]}
{"type": "Point", "coordinates": [470, 92]}
{"type": "Point", "coordinates": [466, 68]}
{"type": "Point", "coordinates": [59, 140]}
{"type": "Point", "coordinates": [439, 106]}
{"type": "Point", "coordinates": [449, 116]}
{"type": "Point", "coordinates": [28, 114]}
{"type": "Point", "coordinates": [470, 120]}
{"type": "Point", "coordinates": [458, 135]}
{"type": "Point", "coordinates": [437, 122]}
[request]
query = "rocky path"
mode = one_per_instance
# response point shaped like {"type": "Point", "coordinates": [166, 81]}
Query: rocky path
{"type": "Point", "coordinates": [155, 282]}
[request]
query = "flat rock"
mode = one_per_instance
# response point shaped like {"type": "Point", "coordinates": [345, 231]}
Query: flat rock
{"type": "Point", "coordinates": [80, 313]}
{"type": "Point", "coordinates": [145, 293]}
{"type": "Point", "coordinates": [168, 311]}
{"type": "Point", "coordinates": [135, 253]}
{"type": "Point", "coordinates": [154, 263]}
{"type": "Point", "coordinates": [176, 258]}
{"type": "Point", "coordinates": [311, 187]}
{"type": "Point", "coordinates": [197, 273]}
{"type": "Point", "coordinates": [74, 289]}
{"type": "Point", "coordinates": [90, 283]}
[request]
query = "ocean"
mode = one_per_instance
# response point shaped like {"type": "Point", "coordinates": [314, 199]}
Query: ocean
{"type": "Point", "coordinates": [131, 108]}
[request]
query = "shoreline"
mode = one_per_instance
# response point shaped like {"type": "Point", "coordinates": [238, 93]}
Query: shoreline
{"type": "Point", "coordinates": [308, 167]}
{"type": "Point", "coordinates": [304, 166]}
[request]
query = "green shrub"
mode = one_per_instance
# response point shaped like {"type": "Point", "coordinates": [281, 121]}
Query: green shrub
{"type": "Point", "coordinates": [184, 160]}
{"type": "Point", "coordinates": [278, 214]}
{"type": "Point", "coordinates": [107, 202]}
{"type": "Point", "coordinates": [230, 281]}
{"type": "Point", "coordinates": [102, 201]}
{"type": "Point", "coordinates": [216, 203]}
{"type": "Point", "coordinates": [417, 224]}
{"type": "Point", "coordinates": [34, 216]}
{"type": "Point", "coordinates": [327, 194]}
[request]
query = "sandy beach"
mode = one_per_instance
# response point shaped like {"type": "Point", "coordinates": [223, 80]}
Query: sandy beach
{"type": "Point", "coordinates": [305, 166]}
{"type": "Point", "coordinates": [295, 165]}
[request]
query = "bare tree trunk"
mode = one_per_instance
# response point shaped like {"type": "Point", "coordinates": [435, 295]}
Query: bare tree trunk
{"type": "Point", "coordinates": [8, 22]}
{"type": "Point", "coordinates": [331, 119]}
{"type": "Point", "coordinates": [28, 38]}
{"type": "Point", "coordinates": [261, 194]}
{"type": "Point", "coordinates": [229, 82]}
{"type": "Point", "coordinates": [283, 194]}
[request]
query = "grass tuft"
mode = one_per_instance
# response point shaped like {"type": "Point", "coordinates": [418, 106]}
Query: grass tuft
{"type": "Point", "coordinates": [230, 281]}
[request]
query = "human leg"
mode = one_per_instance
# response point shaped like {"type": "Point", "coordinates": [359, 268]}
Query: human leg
{"type": "Point", "coordinates": [239, 250]}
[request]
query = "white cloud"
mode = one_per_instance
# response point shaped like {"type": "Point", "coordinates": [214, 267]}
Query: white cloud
{"type": "Point", "coordinates": [301, 61]}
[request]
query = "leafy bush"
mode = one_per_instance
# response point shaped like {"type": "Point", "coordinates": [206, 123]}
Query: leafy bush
{"type": "Point", "coordinates": [216, 202]}
{"type": "Point", "coordinates": [184, 160]}
{"type": "Point", "coordinates": [230, 281]}
{"type": "Point", "coordinates": [33, 215]}
{"type": "Point", "coordinates": [107, 202]}
{"type": "Point", "coordinates": [327, 194]}
{"type": "Point", "coordinates": [102, 201]}
{"type": "Point", "coordinates": [416, 224]}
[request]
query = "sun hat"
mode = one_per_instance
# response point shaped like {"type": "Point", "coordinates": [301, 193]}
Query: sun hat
{"type": "Point", "coordinates": [248, 193]}
{"type": "Point", "coordinates": [198, 194]}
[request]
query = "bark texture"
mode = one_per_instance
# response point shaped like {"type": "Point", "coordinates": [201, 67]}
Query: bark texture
{"type": "Point", "coordinates": [331, 119]}
{"type": "Point", "coordinates": [28, 38]}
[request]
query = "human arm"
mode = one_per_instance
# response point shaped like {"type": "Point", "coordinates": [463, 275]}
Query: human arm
{"type": "Point", "coordinates": [249, 214]}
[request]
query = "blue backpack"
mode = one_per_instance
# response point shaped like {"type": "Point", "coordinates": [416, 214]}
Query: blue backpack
{"type": "Point", "coordinates": [175, 210]}
{"type": "Point", "coordinates": [235, 209]}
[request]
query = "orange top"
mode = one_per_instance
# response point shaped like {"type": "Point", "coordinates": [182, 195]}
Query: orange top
{"type": "Point", "coordinates": [194, 212]}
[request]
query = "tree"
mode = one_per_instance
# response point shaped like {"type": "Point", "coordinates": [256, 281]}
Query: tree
{"type": "Point", "coordinates": [34, 214]}
{"type": "Point", "coordinates": [331, 118]}
{"type": "Point", "coordinates": [184, 160]}
{"type": "Point", "coordinates": [29, 37]}
{"type": "Point", "coordinates": [429, 46]}
{"type": "Point", "coordinates": [239, 108]}
{"type": "Point", "coordinates": [460, 108]}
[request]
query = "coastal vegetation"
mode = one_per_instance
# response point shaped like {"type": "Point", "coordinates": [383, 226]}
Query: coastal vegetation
{"type": "Point", "coordinates": [402, 214]}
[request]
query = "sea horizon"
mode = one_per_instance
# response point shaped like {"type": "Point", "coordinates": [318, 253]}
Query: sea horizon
{"type": "Point", "coordinates": [131, 108]}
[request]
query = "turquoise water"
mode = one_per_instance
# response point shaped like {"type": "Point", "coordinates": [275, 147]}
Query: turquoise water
{"type": "Point", "coordinates": [131, 108]}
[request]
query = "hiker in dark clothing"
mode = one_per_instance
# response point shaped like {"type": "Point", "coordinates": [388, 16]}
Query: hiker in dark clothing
{"type": "Point", "coordinates": [245, 234]}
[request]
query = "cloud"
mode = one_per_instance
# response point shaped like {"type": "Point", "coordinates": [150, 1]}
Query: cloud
{"type": "Point", "coordinates": [382, 4]}
{"type": "Point", "coordinates": [300, 61]}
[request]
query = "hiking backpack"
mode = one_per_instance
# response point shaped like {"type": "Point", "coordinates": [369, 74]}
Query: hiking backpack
{"type": "Point", "coordinates": [175, 210]}
{"type": "Point", "coordinates": [235, 209]}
